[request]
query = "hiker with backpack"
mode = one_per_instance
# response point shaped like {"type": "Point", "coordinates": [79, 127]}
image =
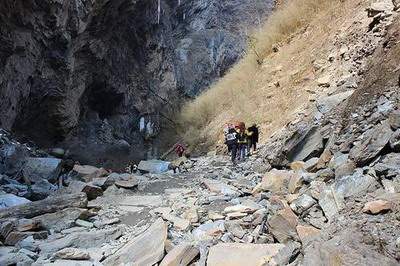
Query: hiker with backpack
{"type": "Point", "coordinates": [231, 141]}
{"type": "Point", "coordinates": [253, 135]}
{"type": "Point", "coordinates": [242, 140]}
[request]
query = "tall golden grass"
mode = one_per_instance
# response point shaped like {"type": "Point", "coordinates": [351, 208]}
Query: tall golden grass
{"type": "Point", "coordinates": [236, 95]}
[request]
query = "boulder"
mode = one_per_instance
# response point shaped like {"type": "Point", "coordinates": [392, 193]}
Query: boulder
{"type": "Point", "coordinates": [388, 165]}
{"type": "Point", "coordinates": [325, 174]}
{"type": "Point", "coordinates": [113, 178]}
{"type": "Point", "coordinates": [10, 200]}
{"type": "Point", "coordinates": [283, 225]}
{"type": "Point", "coordinates": [18, 258]}
{"type": "Point", "coordinates": [235, 229]}
{"type": "Point", "coordinates": [345, 169]}
{"type": "Point", "coordinates": [311, 145]}
{"type": "Point", "coordinates": [311, 164]}
{"type": "Point", "coordinates": [42, 189]}
{"type": "Point", "coordinates": [235, 254]}
{"type": "Point", "coordinates": [60, 220]}
{"type": "Point", "coordinates": [286, 254]}
{"type": "Point", "coordinates": [374, 140]}
{"type": "Point", "coordinates": [48, 205]}
{"type": "Point", "coordinates": [329, 203]}
{"type": "Point", "coordinates": [220, 187]}
{"type": "Point", "coordinates": [91, 191]}
{"type": "Point", "coordinates": [145, 249]}
{"type": "Point", "coordinates": [302, 203]}
{"type": "Point", "coordinates": [180, 255]}
{"type": "Point", "coordinates": [87, 173]}
{"type": "Point", "coordinates": [153, 166]}
{"type": "Point", "coordinates": [357, 184]}
{"type": "Point", "coordinates": [274, 181]}
{"type": "Point", "coordinates": [12, 157]}
{"type": "Point", "coordinates": [72, 254]}
{"type": "Point", "coordinates": [25, 225]}
{"type": "Point", "coordinates": [178, 222]}
{"type": "Point", "coordinates": [36, 169]}
{"type": "Point", "coordinates": [208, 231]}
{"type": "Point", "coordinates": [377, 206]}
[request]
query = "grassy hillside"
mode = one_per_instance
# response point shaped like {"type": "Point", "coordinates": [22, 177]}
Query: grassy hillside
{"type": "Point", "coordinates": [288, 47]}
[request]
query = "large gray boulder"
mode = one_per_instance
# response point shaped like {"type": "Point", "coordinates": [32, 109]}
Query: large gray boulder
{"type": "Point", "coordinates": [357, 184]}
{"type": "Point", "coordinates": [310, 146]}
{"type": "Point", "coordinates": [374, 140]}
{"type": "Point", "coordinates": [36, 169]}
{"type": "Point", "coordinates": [388, 165]}
{"type": "Point", "coordinates": [10, 200]}
{"type": "Point", "coordinates": [153, 166]}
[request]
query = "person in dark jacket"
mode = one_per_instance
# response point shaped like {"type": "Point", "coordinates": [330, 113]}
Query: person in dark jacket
{"type": "Point", "coordinates": [232, 141]}
{"type": "Point", "coordinates": [254, 134]}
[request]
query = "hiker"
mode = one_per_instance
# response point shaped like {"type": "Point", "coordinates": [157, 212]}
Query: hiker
{"type": "Point", "coordinates": [232, 142]}
{"type": "Point", "coordinates": [226, 132]}
{"type": "Point", "coordinates": [242, 141]}
{"type": "Point", "coordinates": [249, 137]}
{"type": "Point", "coordinates": [253, 130]}
{"type": "Point", "coordinates": [180, 149]}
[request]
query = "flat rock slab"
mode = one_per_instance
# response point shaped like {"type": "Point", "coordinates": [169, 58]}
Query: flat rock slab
{"type": "Point", "coordinates": [146, 201]}
{"type": "Point", "coordinates": [60, 220]}
{"type": "Point", "coordinates": [128, 184]}
{"type": "Point", "coordinates": [235, 254]}
{"type": "Point", "coordinates": [283, 225]}
{"type": "Point", "coordinates": [72, 254]}
{"type": "Point", "coordinates": [48, 205]}
{"type": "Point", "coordinates": [220, 187]}
{"type": "Point", "coordinates": [81, 240]}
{"type": "Point", "coordinates": [180, 255]}
{"type": "Point", "coordinates": [143, 250]}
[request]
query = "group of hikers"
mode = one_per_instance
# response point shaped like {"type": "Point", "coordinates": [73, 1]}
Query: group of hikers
{"type": "Point", "coordinates": [240, 140]}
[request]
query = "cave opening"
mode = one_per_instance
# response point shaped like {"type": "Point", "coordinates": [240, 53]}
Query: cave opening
{"type": "Point", "coordinates": [104, 100]}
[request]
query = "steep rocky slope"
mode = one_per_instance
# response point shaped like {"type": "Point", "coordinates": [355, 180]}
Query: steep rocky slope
{"type": "Point", "coordinates": [81, 74]}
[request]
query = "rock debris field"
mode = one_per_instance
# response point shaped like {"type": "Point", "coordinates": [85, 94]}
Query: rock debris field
{"type": "Point", "coordinates": [324, 190]}
{"type": "Point", "coordinates": [336, 203]}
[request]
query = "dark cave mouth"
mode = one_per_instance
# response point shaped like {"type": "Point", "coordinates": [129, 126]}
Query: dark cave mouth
{"type": "Point", "coordinates": [104, 100]}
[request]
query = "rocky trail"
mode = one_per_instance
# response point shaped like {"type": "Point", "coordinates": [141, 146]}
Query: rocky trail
{"type": "Point", "coordinates": [339, 206]}
{"type": "Point", "coordinates": [324, 190]}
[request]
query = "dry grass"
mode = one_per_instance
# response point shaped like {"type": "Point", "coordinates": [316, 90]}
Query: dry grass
{"type": "Point", "coordinates": [248, 92]}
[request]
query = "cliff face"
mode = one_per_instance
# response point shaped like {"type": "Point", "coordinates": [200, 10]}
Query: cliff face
{"type": "Point", "coordinates": [84, 74]}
